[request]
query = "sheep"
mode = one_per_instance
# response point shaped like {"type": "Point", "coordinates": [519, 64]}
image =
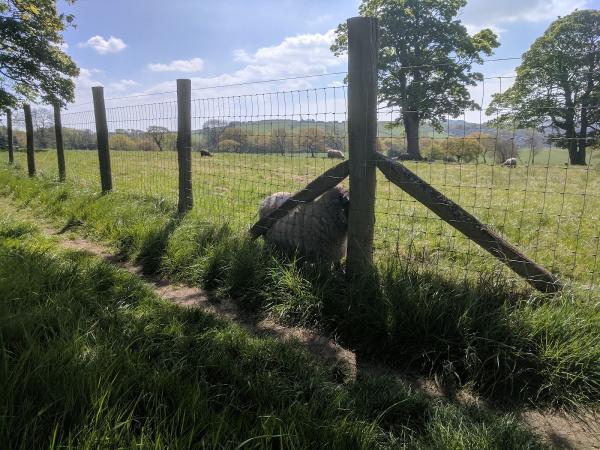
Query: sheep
{"type": "Point", "coordinates": [510, 162]}
{"type": "Point", "coordinates": [316, 230]}
{"type": "Point", "coordinates": [205, 153]}
{"type": "Point", "coordinates": [335, 154]}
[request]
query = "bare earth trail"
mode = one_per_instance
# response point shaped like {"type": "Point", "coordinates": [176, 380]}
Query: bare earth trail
{"type": "Point", "coordinates": [557, 430]}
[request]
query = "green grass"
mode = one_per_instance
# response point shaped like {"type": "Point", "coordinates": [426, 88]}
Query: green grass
{"type": "Point", "coordinates": [91, 358]}
{"type": "Point", "coordinates": [550, 212]}
{"type": "Point", "coordinates": [504, 343]}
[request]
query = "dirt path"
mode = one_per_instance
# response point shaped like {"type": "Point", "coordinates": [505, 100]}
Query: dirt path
{"type": "Point", "coordinates": [191, 297]}
{"type": "Point", "coordinates": [556, 430]}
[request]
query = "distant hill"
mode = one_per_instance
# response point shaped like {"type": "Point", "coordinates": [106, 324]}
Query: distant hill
{"type": "Point", "coordinates": [453, 128]}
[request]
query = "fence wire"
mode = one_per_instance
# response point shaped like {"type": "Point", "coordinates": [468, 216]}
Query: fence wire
{"type": "Point", "coordinates": [248, 147]}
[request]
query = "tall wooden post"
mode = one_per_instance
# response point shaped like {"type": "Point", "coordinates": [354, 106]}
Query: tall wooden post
{"type": "Point", "coordinates": [102, 138]}
{"type": "Point", "coordinates": [29, 135]}
{"type": "Point", "coordinates": [9, 132]}
{"type": "Point", "coordinates": [60, 150]}
{"type": "Point", "coordinates": [184, 144]}
{"type": "Point", "coordinates": [363, 45]}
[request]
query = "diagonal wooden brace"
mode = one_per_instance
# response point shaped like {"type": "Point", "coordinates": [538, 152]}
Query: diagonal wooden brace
{"type": "Point", "coordinates": [537, 276]}
{"type": "Point", "coordinates": [314, 189]}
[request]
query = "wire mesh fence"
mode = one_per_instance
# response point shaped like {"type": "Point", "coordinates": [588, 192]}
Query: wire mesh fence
{"type": "Point", "coordinates": [262, 144]}
{"type": "Point", "coordinates": [247, 147]}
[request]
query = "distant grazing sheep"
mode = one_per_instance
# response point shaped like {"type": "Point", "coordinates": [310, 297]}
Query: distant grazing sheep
{"type": "Point", "coordinates": [335, 154]}
{"type": "Point", "coordinates": [510, 162]}
{"type": "Point", "coordinates": [316, 230]}
{"type": "Point", "coordinates": [205, 153]}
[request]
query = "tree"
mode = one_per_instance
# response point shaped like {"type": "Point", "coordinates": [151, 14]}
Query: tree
{"type": "Point", "coordinates": [425, 60]}
{"type": "Point", "coordinates": [535, 144]}
{"type": "Point", "coordinates": [158, 135]}
{"type": "Point", "coordinates": [228, 145]}
{"type": "Point", "coordinates": [122, 142]}
{"type": "Point", "coordinates": [3, 138]}
{"type": "Point", "coordinates": [238, 134]}
{"type": "Point", "coordinates": [212, 130]}
{"type": "Point", "coordinates": [488, 145]}
{"type": "Point", "coordinates": [312, 139]}
{"type": "Point", "coordinates": [43, 127]}
{"type": "Point", "coordinates": [479, 145]}
{"type": "Point", "coordinates": [465, 149]}
{"type": "Point", "coordinates": [279, 140]}
{"type": "Point", "coordinates": [32, 65]}
{"type": "Point", "coordinates": [558, 85]}
{"type": "Point", "coordinates": [504, 149]}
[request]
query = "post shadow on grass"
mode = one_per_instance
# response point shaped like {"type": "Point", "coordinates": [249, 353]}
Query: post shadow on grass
{"type": "Point", "coordinates": [417, 323]}
{"type": "Point", "coordinates": [461, 333]}
{"type": "Point", "coordinates": [154, 245]}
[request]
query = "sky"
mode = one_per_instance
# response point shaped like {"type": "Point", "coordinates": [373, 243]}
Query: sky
{"type": "Point", "coordinates": [139, 47]}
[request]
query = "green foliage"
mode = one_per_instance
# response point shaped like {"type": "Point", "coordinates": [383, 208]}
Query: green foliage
{"type": "Point", "coordinates": [228, 145]}
{"type": "Point", "coordinates": [558, 85]}
{"type": "Point", "coordinates": [160, 136]}
{"type": "Point", "coordinates": [452, 149]}
{"type": "Point", "coordinates": [32, 65]}
{"type": "Point", "coordinates": [312, 140]}
{"type": "Point", "coordinates": [425, 59]}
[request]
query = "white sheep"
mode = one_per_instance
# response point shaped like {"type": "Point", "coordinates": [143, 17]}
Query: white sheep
{"type": "Point", "coordinates": [315, 230]}
{"type": "Point", "coordinates": [510, 162]}
{"type": "Point", "coordinates": [335, 154]}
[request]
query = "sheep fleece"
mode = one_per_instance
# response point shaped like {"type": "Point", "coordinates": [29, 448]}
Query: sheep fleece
{"type": "Point", "coordinates": [317, 229]}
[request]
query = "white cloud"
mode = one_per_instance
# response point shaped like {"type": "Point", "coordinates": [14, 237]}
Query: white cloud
{"type": "Point", "coordinates": [297, 56]}
{"type": "Point", "coordinates": [179, 65]}
{"type": "Point", "coordinates": [304, 50]}
{"type": "Point", "coordinates": [123, 85]}
{"type": "Point", "coordinates": [85, 78]}
{"type": "Point", "coordinates": [473, 29]}
{"type": "Point", "coordinates": [479, 12]}
{"type": "Point", "coordinates": [104, 46]}
{"type": "Point", "coordinates": [319, 20]}
{"type": "Point", "coordinates": [241, 56]}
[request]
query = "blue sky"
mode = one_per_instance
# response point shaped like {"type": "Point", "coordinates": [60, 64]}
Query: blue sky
{"type": "Point", "coordinates": [142, 46]}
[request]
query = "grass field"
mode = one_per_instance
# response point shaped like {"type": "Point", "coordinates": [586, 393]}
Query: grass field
{"type": "Point", "coordinates": [550, 211]}
{"type": "Point", "coordinates": [91, 358]}
{"type": "Point", "coordinates": [504, 344]}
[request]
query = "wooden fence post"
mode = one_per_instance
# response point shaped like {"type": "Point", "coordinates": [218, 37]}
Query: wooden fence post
{"type": "Point", "coordinates": [363, 45]}
{"type": "Point", "coordinates": [184, 144]}
{"type": "Point", "coordinates": [9, 132]}
{"type": "Point", "coordinates": [60, 150]}
{"type": "Point", "coordinates": [29, 135]}
{"type": "Point", "coordinates": [102, 138]}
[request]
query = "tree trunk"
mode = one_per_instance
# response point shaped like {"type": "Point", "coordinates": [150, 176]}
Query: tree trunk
{"type": "Point", "coordinates": [576, 149]}
{"type": "Point", "coordinates": [411, 127]}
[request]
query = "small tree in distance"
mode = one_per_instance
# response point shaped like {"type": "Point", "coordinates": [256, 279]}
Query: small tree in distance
{"type": "Point", "coordinates": [279, 140]}
{"type": "Point", "coordinates": [312, 139]}
{"type": "Point", "coordinates": [158, 135]}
